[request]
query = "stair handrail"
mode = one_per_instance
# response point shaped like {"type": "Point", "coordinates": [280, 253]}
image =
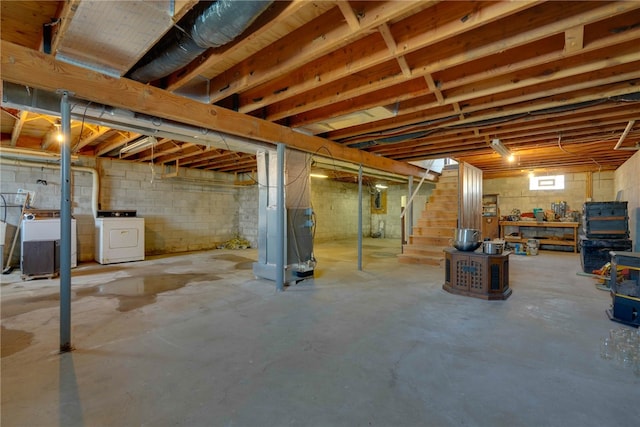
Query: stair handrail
{"type": "Point", "coordinates": [424, 176]}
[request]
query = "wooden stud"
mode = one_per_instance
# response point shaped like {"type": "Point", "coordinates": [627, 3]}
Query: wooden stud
{"type": "Point", "coordinates": [349, 14]}
{"type": "Point", "coordinates": [17, 127]}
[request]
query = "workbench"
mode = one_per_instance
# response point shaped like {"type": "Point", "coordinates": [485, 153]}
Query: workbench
{"type": "Point", "coordinates": [572, 227]}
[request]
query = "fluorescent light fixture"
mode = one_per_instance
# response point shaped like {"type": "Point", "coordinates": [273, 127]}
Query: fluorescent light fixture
{"type": "Point", "coordinates": [318, 175]}
{"type": "Point", "coordinates": [381, 186]}
{"type": "Point", "coordinates": [499, 148]}
{"type": "Point", "coordinates": [139, 145]}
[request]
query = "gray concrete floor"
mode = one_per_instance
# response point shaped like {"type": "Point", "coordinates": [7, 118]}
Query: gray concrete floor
{"type": "Point", "coordinates": [197, 340]}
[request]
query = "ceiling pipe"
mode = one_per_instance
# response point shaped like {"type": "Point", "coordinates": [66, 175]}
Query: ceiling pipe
{"type": "Point", "coordinates": [95, 188]}
{"type": "Point", "coordinates": [624, 136]}
{"type": "Point", "coordinates": [217, 25]}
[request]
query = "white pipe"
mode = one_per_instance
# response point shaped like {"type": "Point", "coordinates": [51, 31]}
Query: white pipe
{"type": "Point", "coordinates": [92, 171]}
{"type": "Point", "coordinates": [26, 153]}
{"type": "Point", "coordinates": [624, 135]}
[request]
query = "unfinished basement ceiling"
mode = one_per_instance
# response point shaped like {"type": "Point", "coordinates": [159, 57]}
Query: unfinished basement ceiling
{"type": "Point", "coordinates": [111, 36]}
{"type": "Point", "coordinates": [557, 82]}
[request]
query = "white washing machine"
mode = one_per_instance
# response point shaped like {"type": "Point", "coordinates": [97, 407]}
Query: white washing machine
{"type": "Point", "coordinates": [43, 229]}
{"type": "Point", "coordinates": [119, 238]}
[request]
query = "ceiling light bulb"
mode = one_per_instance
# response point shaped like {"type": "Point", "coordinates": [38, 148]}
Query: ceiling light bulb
{"type": "Point", "coordinates": [511, 158]}
{"type": "Point", "coordinates": [59, 137]}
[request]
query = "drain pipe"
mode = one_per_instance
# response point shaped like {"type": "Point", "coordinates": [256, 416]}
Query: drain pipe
{"type": "Point", "coordinates": [217, 25]}
{"type": "Point", "coordinates": [94, 174]}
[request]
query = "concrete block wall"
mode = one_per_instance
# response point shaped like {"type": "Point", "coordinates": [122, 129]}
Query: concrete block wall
{"type": "Point", "coordinates": [514, 192]}
{"type": "Point", "coordinates": [25, 176]}
{"type": "Point", "coordinates": [194, 211]}
{"type": "Point", "coordinates": [392, 220]}
{"type": "Point", "coordinates": [627, 181]}
{"type": "Point", "coordinates": [197, 210]}
{"type": "Point", "coordinates": [248, 214]}
{"type": "Point", "coordinates": [603, 184]}
{"type": "Point", "coordinates": [336, 207]}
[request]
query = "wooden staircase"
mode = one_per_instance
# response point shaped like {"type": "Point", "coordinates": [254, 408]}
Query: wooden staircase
{"type": "Point", "coordinates": [437, 224]}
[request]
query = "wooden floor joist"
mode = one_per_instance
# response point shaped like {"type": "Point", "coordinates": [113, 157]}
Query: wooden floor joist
{"type": "Point", "coordinates": [35, 69]}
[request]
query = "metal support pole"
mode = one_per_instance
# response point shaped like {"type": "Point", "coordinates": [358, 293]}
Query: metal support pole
{"type": "Point", "coordinates": [360, 218]}
{"type": "Point", "coordinates": [409, 229]}
{"type": "Point", "coordinates": [280, 212]}
{"type": "Point", "coordinates": [65, 225]}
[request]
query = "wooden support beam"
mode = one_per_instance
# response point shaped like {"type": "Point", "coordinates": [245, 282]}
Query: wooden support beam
{"type": "Point", "coordinates": [107, 146]}
{"type": "Point", "coordinates": [341, 66]}
{"type": "Point", "coordinates": [29, 67]}
{"type": "Point", "coordinates": [532, 101]}
{"type": "Point", "coordinates": [431, 84]}
{"type": "Point", "coordinates": [471, 92]}
{"type": "Point", "coordinates": [457, 109]}
{"type": "Point", "coordinates": [215, 61]}
{"type": "Point", "coordinates": [66, 15]}
{"type": "Point", "coordinates": [17, 127]}
{"type": "Point", "coordinates": [95, 133]}
{"type": "Point", "coordinates": [349, 15]}
{"type": "Point", "coordinates": [284, 55]}
{"type": "Point", "coordinates": [385, 31]}
{"type": "Point", "coordinates": [165, 152]}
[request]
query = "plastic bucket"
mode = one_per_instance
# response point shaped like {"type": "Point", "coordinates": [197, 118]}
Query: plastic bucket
{"type": "Point", "coordinates": [532, 246]}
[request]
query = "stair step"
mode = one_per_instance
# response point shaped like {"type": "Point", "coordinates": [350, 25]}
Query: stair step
{"type": "Point", "coordinates": [449, 170]}
{"type": "Point", "coordinates": [447, 185]}
{"type": "Point", "coordinates": [444, 192]}
{"type": "Point", "coordinates": [434, 231]}
{"type": "Point", "coordinates": [448, 178]}
{"type": "Point", "coordinates": [429, 240]}
{"type": "Point", "coordinates": [438, 222]}
{"type": "Point", "coordinates": [443, 206]}
{"type": "Point", "coordinates": [441, 201]}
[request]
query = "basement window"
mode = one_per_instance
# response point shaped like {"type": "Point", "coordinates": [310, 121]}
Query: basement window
{"type": "Point", "coordinates": [555, 182]}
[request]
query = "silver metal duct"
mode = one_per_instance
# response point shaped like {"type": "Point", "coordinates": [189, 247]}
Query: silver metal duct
{"type": "Point", "coordinates": [216, 26]}
{"type": "Point", "coordinates": [281, 203]}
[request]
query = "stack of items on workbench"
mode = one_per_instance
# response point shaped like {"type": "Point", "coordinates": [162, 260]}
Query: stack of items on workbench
{"type": "Point", "coordinates": [605, 228]}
